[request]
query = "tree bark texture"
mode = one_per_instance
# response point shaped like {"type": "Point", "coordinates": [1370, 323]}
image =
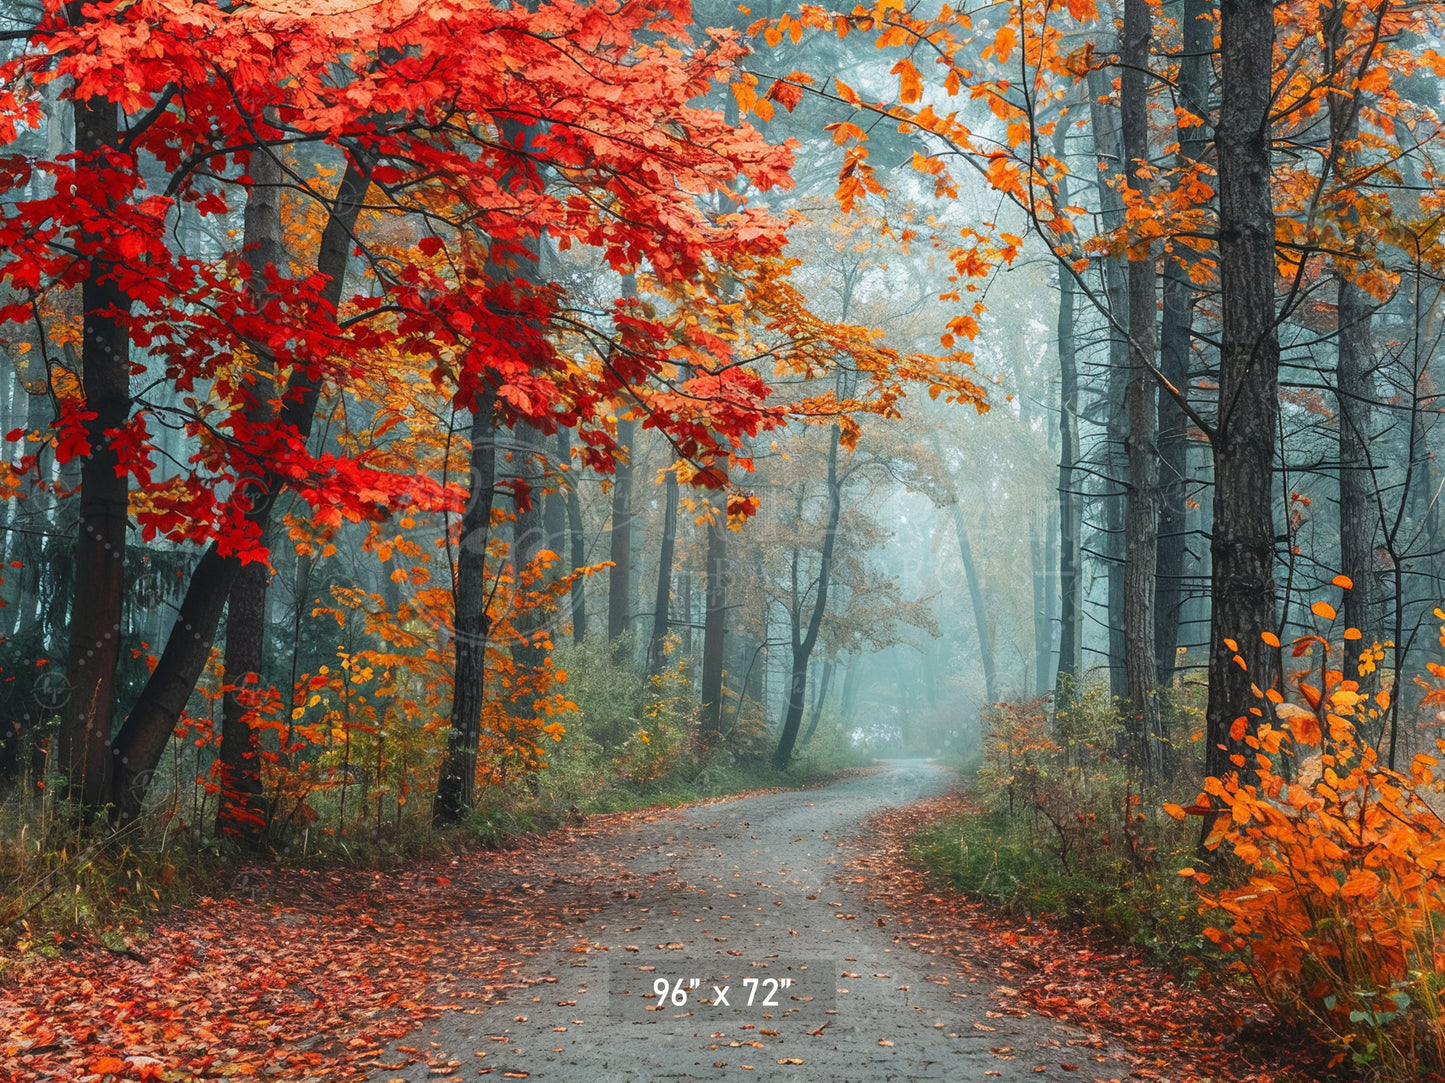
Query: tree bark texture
{"type": "Point", "coordinates": [1360, 607]}
{"type": "Point", "coordinates": [456, 783]}
{"type": "Point", "coordinates": [1141, 514]}
{"type": "Point", "coordinates": [241, 810]}
{"type": "Point", "coordinates": [1242, 547]}
{"type": "Point", "coordinates": [619, 576]}
{"type": "Point", "coordinates": [83, 750]}
{"type": "Point", "coordinates": [803, 642]}
{"type": "Point", "coordinates": [1175, 353]}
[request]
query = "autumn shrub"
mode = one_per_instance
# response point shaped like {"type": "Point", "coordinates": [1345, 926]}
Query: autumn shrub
{"type": "Point", "coordinates": [1340, 915]}
{"type": "Point", "coordinates": [1065, 830]}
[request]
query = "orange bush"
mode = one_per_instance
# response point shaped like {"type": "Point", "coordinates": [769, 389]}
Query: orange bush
{"type": "Point", "coordinates": [1340, 919]}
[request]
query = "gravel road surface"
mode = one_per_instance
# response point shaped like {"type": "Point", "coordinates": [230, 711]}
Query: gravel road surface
{"type": "Point", "coordinates": [755, 888]}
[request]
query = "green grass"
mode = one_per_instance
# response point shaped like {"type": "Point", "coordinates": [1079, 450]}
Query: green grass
{"type": "Point", "coordinates": [989, 857]}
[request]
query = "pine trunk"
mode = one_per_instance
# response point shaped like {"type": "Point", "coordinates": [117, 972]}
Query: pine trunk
{"type": "Point", "coordinates": [1175, 353]}
{"type": "Point", "coordinates": [83, 751]}
{"type": "Point", "coordinates": [1242, 548]}
{"type": "Point", "coordinates": [1141, 507]}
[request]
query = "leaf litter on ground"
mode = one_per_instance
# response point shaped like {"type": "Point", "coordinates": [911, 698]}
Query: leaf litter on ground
{"type": "Point", "coordinates": [1169, 1029]}
{"type": "Point", "coordinates": [318, 974]}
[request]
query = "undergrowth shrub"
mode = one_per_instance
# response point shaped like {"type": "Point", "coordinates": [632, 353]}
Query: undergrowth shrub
{"type": "Point", "coordinates": [61, 876]}
{"type": "Point", "coordinates": [1066, 831]}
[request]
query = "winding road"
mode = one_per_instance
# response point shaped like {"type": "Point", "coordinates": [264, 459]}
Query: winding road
{"type": "Point", "coordinates": [755, 887]}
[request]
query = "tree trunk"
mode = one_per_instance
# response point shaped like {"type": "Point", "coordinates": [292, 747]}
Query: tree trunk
{"type": "Point", "coordinates": [456, 782]}
{"type": "Point", "coordinates": [819, 699]}
{"type": "Point", "coordinates": [1243, 447]}
{"type": "Point", "coordinates": [714, 622]}
{"type": "Point", "coordinates": [241, 815]}
{"type": "Point", "coordinates": [143, 738]}
{"type": "Point", "coordinates": [578, 539]}
{"type": "Point", "coordinates": [1049, 662]}
{"type": "Point", "coordinates": [1040, 576]}
{"type": "Point", "coordinates": [980, 607]}
{"type": "Point", "coordinates": [241, 811]}
{"type": "Point", "coordinates": [83, 744]}
{"type": "Point", "coordinates": [619, 576]}
{"type": "Point", "coordinates": [804, 642]}
{"type": "Point", "coordinates": [554, 513]}
{"type": "Point", "coordinates": [849, 698]}
{"type": "Point", "coordinates": [1070, 510]}
{"type": "Point", "coordinates": [1141, 555]}
{"type": "Point", "coordinates": [529, 537]}
{"type": "Point", "coordinates": [1175, 351]}
{"type": "Point", "coordinates": [1107, 151]}
{"type": "Point", "coordinates": [1353, 393]}
{"type": "Point", "coordinates": [662, 598]}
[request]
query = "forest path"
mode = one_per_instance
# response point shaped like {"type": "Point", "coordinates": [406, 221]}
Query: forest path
{"type": "Point", "coordinates": [712, 892]}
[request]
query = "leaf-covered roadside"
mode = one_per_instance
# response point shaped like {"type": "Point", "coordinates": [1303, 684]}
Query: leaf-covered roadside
{"type": "Point", "coordinates": [1171, 1030]}
{"type": "Point", "coordinates": [303, 974]}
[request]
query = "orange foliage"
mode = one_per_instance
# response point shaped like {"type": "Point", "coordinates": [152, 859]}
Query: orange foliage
{"type": "Point", "coordinates": [1339, 918]}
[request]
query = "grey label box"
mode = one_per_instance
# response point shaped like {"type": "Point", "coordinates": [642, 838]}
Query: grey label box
{"type": "Point", "coordinates": [650, 988]}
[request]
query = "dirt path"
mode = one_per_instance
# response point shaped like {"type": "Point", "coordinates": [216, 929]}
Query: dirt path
{"type": "Point", "coordinates": [724, 892]}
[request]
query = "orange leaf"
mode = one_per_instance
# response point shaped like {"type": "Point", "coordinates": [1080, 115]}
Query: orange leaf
{"type": "Point", "coordinates": [1270, 638]}
{"type": "Point", "coordinates": [1323, 610]}
{"type": "Point", "coordinates": [1344, 582]}
{"type": "Point", "coordinates": [910, 87]}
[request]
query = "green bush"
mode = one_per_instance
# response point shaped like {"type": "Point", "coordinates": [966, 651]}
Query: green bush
{"type": "Point", "coordinates": [1067, 832]}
